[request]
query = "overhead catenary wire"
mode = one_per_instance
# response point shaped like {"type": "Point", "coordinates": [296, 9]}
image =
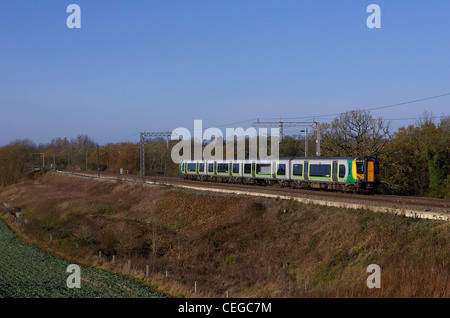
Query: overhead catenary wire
{"type": "Point", "coordinates": [330, 116]}
{"type": "Point", "coordinates": [378, 107]}
{"type": "Point", "coordinates": [336, 114]}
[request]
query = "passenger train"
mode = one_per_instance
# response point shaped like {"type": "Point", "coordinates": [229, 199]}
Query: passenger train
{"type": "Point", "coordinates": [356, 174]}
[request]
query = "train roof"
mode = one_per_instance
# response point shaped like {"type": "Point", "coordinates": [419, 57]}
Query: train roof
{"type": "Point", "coordinates": [327, 158]}
{"type": "Point", "coordinates": [292, 158]}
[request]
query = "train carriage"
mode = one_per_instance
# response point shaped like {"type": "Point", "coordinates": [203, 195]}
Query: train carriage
{"type": "Point", "coordinates": [359, 173]}
{"type": "Point", "coordinates": [282, 171]}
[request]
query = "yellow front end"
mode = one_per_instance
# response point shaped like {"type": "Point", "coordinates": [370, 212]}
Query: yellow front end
{"type": "Point", "coordinates": [365, 171]}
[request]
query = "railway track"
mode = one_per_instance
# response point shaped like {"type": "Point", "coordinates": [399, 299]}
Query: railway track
{"type": "Point", "coordinates": [417, 207]}
{"type": "Point", "coordinates": [405, 200]}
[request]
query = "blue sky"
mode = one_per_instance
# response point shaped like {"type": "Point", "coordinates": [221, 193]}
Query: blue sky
{"type": "Point", "coordinates": [157, 65]}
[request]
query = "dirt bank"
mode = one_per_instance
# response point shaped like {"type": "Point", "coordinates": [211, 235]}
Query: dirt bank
{"type": "Point", "coordinates": [246, 247]}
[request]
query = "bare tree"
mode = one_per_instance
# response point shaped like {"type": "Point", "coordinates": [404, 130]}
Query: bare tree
{"type": "Point", "coordinates": [355, 133]}
{"type": "Point", "coordinates": [15, 159]}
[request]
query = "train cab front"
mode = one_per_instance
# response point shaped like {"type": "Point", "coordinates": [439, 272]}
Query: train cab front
{"type": "Point", "coordinates": [366, 170]}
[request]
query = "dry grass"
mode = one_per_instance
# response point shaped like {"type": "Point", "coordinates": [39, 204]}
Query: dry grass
{"type": "Point", "coordinates": [245, 246]}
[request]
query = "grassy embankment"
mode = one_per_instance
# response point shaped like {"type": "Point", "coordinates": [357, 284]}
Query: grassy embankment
{"type": "Point", "coordinates": [249, 247]}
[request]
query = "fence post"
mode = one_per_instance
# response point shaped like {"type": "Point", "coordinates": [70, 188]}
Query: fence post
{"type": "Point", "coordinates": [147, 271]}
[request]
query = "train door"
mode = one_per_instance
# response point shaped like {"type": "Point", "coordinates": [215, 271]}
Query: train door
{"type": "Point", "coordinates": [335, 170]}
{"type": "Point", "coordinates": [365, 169]}
{"type": "Point", "coordinates": [305, 170]}
{"type": "Point", "coordinates": [370, 171]}
{"type": "Point", "coordinates": [274, 168]}
{"type": "Point", "coordinates": [253, 169]}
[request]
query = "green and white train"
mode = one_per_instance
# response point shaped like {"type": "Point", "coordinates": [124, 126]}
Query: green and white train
{"type": "Point", "coordinates": [357, 174]}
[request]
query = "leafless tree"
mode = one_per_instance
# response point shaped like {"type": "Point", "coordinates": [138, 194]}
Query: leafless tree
{"type": "Point", "coordinates": [354, 133]}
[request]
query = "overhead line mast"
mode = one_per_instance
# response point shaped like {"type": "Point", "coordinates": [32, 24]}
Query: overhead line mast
{"type": "Point", "coordinates": [143, 140]}
{"type": "Point", "coordinates": [282, 124]}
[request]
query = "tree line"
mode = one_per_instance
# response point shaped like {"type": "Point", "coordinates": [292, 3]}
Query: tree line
{"type": "Point", "coordinates": [414, 160]}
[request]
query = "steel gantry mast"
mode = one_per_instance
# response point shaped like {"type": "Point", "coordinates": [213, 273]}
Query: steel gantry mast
{"type": "Point", "coordinates": [143, 140]}
{"type": "Point", "coordinates": [282, 124]}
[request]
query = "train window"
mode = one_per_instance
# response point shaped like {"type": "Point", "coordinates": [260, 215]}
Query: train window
{"type": "Point", "coordinates": [235, 168]}
{"type": "Point", "coordinates": [360, 167]}
{"type": "Point", "coordinates": [247, 168]}
{"type": "Point", "coordinates": [210, 167]}
{"type": "Point", "coordinates": [341, 171]}
{"type": "Point", "coordinates": [201, 167]}
{"type": "Point", "coordinates": [281, 169]}
{"type": "Point", "coordinates": [263, 168]}
{"type": "Point", "coordinates": [222, 167]}
{"type": "Point", "coordinates": [319, 170]}
{"type": "Point", "coordinates": [298, 170]}
{"type": "Point", "coordinates": [182, 166]}
{"type": "Point", "coordinates": [192, 167]}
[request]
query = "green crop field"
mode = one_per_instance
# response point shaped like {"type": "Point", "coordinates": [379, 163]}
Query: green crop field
{"type": "Point", "coordinates": [26, 271]}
